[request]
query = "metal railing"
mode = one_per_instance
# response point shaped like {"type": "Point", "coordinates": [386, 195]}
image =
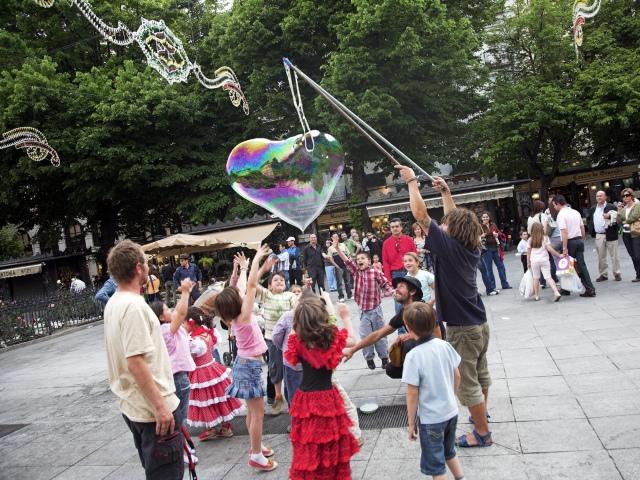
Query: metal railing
{"type": "Point", "coordinates": [26, 319]}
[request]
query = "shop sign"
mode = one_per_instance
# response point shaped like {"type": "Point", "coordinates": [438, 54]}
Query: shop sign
{"type": "Point", "coordinates": [334, 217]}
{"type": "Point", "coordinates": [21, 271]}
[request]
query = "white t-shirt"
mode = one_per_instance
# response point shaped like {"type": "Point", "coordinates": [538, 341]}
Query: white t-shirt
{"type": "Point", "coordinates": [430, 367]}
{"type": "Point", "coordinates": [540, 254]}
{"type": "Point", "coordinates": [522, 247]}
{"type": "Point", "coordinates": [571, 220]}
{"type": "Point", "coordinates": [131, 328]}
{"type": "Point", "coordinates": [426, 279]}
{"type": "Point", "coordinates": [598, 219]}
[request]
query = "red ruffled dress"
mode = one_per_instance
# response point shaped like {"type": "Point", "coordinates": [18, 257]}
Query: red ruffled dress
{"type": "Point", "coordinates": [209, 406]}
{"type": "Point", "coordinates": [322, 443]}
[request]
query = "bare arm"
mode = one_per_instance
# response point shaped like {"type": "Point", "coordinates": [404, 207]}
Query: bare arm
{"type": "Point", "coordinates": [370, 339]}
{"type": "Point", "coordinates": [418, 207]}
{"type": "Point", "coordinates": [565, 241]}
{"type": "Point", "coordinates": [252, 285]}
{"type": "Point", "coordinates": [456, 380]}
{"type": "Point", "coordinates": [412, 411]}
{"type": "Point", "coordinates": [240, 266]}
{"type": "Point", "coordinates": [180, 312]}
{"type": "Point", "coordinates": [164, 418]}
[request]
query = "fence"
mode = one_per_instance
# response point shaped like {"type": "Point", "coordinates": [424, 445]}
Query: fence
{"type": "Point", "coordinates": [26, 319]}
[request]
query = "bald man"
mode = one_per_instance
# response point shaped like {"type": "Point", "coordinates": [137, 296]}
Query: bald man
{"type": "Point", "coordinates": [605, 229]}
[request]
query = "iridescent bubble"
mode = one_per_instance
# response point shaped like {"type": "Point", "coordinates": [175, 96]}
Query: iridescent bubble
{"type": "Point", "coordinates": [285, 178]}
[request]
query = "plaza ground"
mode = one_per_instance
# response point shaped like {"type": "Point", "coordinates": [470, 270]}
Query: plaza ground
{"type": "Point", "coordinates": [565, 400]}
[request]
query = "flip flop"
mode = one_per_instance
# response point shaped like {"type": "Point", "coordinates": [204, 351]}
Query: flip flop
{"type": "Point", "coordinates": [483, 440]}
{"type": "Point", "coordinates": [271, 465]}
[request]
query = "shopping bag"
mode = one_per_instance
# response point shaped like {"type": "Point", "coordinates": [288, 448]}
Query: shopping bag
{"type": "Point", "coordinates": [565, 266]}
{"type": "Point", "coordinates": [571, 283]}
{"type": "Point", "coordinates": [526, 285]}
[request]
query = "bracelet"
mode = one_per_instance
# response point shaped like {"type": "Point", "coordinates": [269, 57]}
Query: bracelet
{"type": "Point", "coordinates": [413, 179]}
{"type": "Point", "coordinates": [243, 269]}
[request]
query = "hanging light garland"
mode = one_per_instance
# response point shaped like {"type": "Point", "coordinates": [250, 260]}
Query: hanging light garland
{"type": "Point", "coordinates": [163, 50]}
{"type": "Point", "coordinates": [33, 141]}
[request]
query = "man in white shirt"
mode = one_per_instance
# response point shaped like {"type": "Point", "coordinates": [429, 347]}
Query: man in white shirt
{"type": "Point", "coordinates": [139, 368]}
{"type": "Point", "coordinates": [605, 229]}
{"type": "Point", "coordinates": [572, 233]}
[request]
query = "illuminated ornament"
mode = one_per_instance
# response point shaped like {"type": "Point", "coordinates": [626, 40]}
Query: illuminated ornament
{"type": "Point", "coordinates": [582, 11]}
{"type": "Point", "coordinates": [285, 177]}
{"type": "Point", "coordinates": [33, 141]}
{"type": "Point", "coordinates": [164, 52]}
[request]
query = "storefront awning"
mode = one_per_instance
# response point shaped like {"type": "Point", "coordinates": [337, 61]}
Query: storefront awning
{"type": "Point", "coordinates": [21, 271]}
{"type": "Point", "coordinates": [250, 237]}
{"type": "Point", "coordinates": [435, 202]}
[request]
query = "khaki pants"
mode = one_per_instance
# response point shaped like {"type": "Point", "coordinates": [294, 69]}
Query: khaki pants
{"type": "Point", "coordinates": [471, 342]}
{"type": "Point", "coordinates": [603, 248]}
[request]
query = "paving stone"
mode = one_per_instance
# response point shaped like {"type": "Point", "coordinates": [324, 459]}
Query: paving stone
{"type": "Point", "coordinates": [604, 404]}
{"type": "Point", "coordinates": [510, 467]}
{"type": "Point", "coordinates": [571, 337]}
{"type": "Point", "coordinates": [574, 351]}
{"type": "Point", "coordinates": [30, 473]}
{"type": "Point", "coordinates": [505, 438]}
{"type": "Point", "coordinates": [90, 472]}
{"type": "Point", "coordinates": [626, 361]}
{"type": "Point", "coordinates": [557, 436]}
{"type": "Point", "coordinates": [385, 469]}
{"type": "Point", "coordinates": [538, 386]}
{"type": "Point", "coordinates": [546, 408]}
{"type": "Point", "coordinates": [618, 432]}
{"type": "Point", "coordinates": [595, 364]}
{"type": "Point", "coordinates": [599, 382]}
{"type": "Point", "coordinates": [128, 471]}
{"type": "Point", "coordinates": [612, 347]}
{"type": "Point", "coordinates": [628, 462]}
{"type": "Point", "coordinates": [533, 369]}
{"type": "Point", "coordinates": [116, 452]}
{"type": "Point", "coordinates": [594, 465]}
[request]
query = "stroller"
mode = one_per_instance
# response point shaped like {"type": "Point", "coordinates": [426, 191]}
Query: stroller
{"type": "Point", "coordinates": [230, 356]}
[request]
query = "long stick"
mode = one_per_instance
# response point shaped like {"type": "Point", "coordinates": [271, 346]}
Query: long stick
{"type": "Point", "coordinates": [353, 118]}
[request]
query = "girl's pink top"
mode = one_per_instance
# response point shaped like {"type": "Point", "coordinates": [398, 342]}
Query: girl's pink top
{"type": "Point", "coordinates": [249, 339]}
{"type": "Point", "coordinates": [178, 348]}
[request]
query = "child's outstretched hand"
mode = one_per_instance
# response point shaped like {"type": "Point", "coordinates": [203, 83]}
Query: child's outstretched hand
{"type": "Point", "coordinates": [240, 260]}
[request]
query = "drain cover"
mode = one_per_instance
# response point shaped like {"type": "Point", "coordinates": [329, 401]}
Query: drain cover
{"type": "Point", "coordinates": [6, 429]}
{"type": "Point", "coordinates": [393, 416]}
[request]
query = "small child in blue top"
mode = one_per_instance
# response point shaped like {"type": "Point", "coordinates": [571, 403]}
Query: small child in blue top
{"type": "Point", "coordinates": [431, 375]}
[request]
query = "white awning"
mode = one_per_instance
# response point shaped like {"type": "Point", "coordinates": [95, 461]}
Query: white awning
{"type": "Point", "coordinates": [435, 202]}
{"type": "Point", "coordinates": [21, 271]}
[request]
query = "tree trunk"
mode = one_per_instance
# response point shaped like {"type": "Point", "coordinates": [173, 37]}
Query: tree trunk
{"type": "Point", "coordinates": [359, 216]}
{"type": "Point", "coordinates": [108, 222]}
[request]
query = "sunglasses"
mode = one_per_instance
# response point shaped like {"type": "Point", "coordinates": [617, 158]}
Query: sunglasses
{"type": "Point", "coordinates": [627, 195]}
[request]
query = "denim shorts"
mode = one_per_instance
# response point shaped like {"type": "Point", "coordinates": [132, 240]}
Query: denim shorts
{"type": "Point", "coordinates": [246, 380]}
{"type": "Point", "coordinates": [181, 381]}
{"type": "Point", "coordinates": [437, 442]}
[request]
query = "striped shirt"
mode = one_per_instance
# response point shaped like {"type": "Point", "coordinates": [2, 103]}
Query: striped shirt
{"type": "Point", "coordinates": [368, 283]}
{"type": "Point", "coordinates": [274, 305]}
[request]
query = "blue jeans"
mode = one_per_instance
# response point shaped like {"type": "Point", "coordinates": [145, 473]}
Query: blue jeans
{"type": "Point", "coordinates": [437, 442]}
{"type": "Point", "coordinates": [292, 380]}
{"type": "Point", "coordinates": [490, 256]}
{"type": "Point", "coordinates": [181, 381]}
{"type": "Point", "coordinates": [332, 283]}
{"type": "Point", "coordinates": [398, 307]}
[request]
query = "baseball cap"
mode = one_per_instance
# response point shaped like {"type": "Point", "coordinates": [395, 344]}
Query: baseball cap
{"type": "Point", "coordinates": [291, 239]}
{"type": "Point", "coordinates": [184, 256]}
{"type": "Point", "coordinates": [412, 283]}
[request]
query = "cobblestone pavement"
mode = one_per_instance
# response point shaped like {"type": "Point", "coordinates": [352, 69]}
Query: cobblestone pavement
{"type": "Point", "coordinates": [564, 403]}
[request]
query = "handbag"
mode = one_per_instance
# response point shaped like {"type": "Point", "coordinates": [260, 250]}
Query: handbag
{"type": "Point", "coordinates": [634, 228]}
{"type": "Point", "coordinates": [565, 266]}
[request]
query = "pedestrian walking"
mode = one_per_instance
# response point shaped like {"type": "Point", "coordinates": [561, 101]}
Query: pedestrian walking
{"type": "Point", "coordinates": [573, 233]}
{"type": "Point", "coordinates": [521, 251]}
{"type": "Point", "coordinates": [190, 271]}
{"type": "Point", "coordinates": [538, 251]}
{"type": "Point", "coordinates": [314, 262]}
{"type": "Point", "coordinates": [492, 254]}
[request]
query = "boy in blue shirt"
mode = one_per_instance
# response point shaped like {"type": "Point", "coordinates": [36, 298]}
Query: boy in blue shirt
{"type": "Point", "coordinates": [432, 377]}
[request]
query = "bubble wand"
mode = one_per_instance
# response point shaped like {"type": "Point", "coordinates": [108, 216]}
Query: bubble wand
{"type": "Point", "coordinates": [359, 124]}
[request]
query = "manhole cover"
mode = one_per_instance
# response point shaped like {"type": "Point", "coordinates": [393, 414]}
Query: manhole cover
{"type": "Point", "coordinates": [10, 428]}
{"type": "Point", "coordinates": [393, 416]}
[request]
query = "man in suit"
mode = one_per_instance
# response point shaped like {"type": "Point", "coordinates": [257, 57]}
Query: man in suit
{"type": "Point", "coordinates": [601, 220]}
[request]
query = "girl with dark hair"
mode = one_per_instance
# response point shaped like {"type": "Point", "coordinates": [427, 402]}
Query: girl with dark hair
{"type": "Point", "coordinates": [320, 436]}
{"type": "Point", "coordinates": [209, 405]}
{"type": "Point", "coordinates": [491, 254]}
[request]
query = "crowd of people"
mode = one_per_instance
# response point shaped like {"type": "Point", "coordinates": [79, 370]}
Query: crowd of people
{"type": "Point", "coordinates": [164, 368]}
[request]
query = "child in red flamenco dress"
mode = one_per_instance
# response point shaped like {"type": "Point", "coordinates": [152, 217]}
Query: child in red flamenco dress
{"type": "Point", "coordinates": [322, 443]}
{"type": "Point", "coordinates": [209, 406]}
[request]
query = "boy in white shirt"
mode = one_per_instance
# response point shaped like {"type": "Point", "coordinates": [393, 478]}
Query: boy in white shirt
{"type": "Point", "coordinates": [432, 377]}
{"type": "Point", "coordinates": [523, 246]}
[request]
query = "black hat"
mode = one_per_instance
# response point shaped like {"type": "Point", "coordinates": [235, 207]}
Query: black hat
{"type": "Point", "coordinates": [184, 256]}
{"type": "Point", "coordinates": [412, 283]}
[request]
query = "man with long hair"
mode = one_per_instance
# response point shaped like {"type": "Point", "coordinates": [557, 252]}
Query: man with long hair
{"type": "Point", "coordinates": [456, 246]}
